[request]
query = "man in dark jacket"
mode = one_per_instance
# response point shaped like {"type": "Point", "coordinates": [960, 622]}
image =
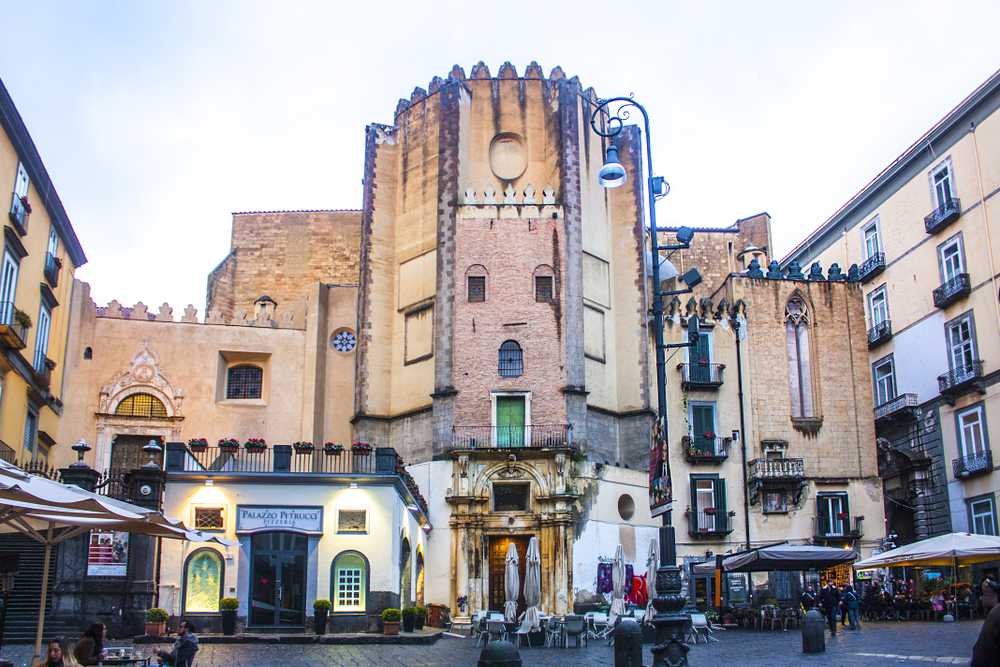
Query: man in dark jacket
{"type": "Point", "coordinates": [182, 654]}
{"type": "Point", "coordinates": [986, 652]}
{"type": "Point", "coordinates": [808, 598]}
{"type": "Point", "coordinates": [830, 600]}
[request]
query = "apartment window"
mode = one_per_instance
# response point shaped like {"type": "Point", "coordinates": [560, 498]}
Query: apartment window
{"type": "Point", "coordinates": [8, 287]}
{"type": "Point", "coordinates": [53, 246]}
{"type": "Point", "coordinates": [833, 514]}
{"type": "Point", "coordinates": [884, 372]}
{"type": "Point", "coordinates": [708, 504]}
{"type": "Point", "coordinates": [477, 289]}
{"type": "Point", "coordinates": [982, 515]}
{"type": "Point", "coordinates": [799, 365]}
{"type": "Point", "coordinates": [941, 183]}
{"type": "Point", "coordinates": [878, 306]}
{"type": "Point", "coordinates": [21, 181]}
{"type": "Point", "coordinates": [543, 289]}
{"type": "Point", "coordinates": [31, 433]}
{"type": "Point", "coordinates": [511, 360]}
{"type": "Point", "coordinates": [244, 382]}
{"type": "Point", "coordinates": [702, 419]}
{"type": "Point", "coordinates": [871, 238]}
{"type": "Point", "coordinates": [972, 434]}
{"type": "Point", "coordinates": [951, 258]}
{"type": "Point", "coordinates": [350, 574]}
{"type": "Point", "coordinates": [961, 344]}
{"type": "Point", "coordinates": [209, 518]}
{"type": "Point", "coordinates": [42, 336]}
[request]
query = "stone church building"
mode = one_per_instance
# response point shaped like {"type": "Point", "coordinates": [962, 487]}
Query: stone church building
{"type": "Point", "coordinates": [466, 362]}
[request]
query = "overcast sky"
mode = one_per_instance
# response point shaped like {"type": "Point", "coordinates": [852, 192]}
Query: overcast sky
{"type": "Point", "coordinates": [157, 120]}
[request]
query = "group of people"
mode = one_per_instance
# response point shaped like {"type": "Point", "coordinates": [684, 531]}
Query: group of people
{"type": "Point", "coordinates": [90, 650]}
{"type": "Point", "coordinates": [843, 603]}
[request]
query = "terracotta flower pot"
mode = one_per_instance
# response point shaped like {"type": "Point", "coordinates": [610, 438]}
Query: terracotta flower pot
{"type": "Point", "coordinates": [157, 629]}
{"type": "Point", "coordinates": [390, 628]}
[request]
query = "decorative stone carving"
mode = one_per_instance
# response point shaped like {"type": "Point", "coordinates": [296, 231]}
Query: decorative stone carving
{"type": "Point", "coordinates": [140, 311]}
{"type": "Point", "coordinates": [508, 156]}
{"type": "Point", "coordinates": [835, 273]}
{"type": "Point", "coordinates": [754, 270]}
{"type": "Point", "coordinates": [469, 199]}
{"type": "Point", "coordinates": [190, 314]}
{"type": "Point", "coordinates": [489, 195]}
{"type": "Point", "coordinates": [529, 194]}
{"type": "Point", "coordinates": [142, 375]}
{"type": "Point", "coordinates": [510, 196]}
{"type": "Point", "coordinates": [774, 271]}
{"type": "Point", "coordinates": [816, 272]}
{"type": "Point", "coordinates": [114, 309]}
{"type": "Point", "coordinates": [166, 313]}
{"type": "Point", "coordinates": [548, 195]}
{"type": "Point", "coordinates": [853, 273]}
{"type": "Point", "coordinates": [795, 271]}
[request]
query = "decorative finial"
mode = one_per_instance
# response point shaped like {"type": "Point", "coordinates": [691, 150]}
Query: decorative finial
{"type": "Point", "coordinates": [81, 448]}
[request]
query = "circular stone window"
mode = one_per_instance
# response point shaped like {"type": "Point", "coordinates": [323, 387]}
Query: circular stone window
{"type": "Point", "coordinates": [343, 340]}
{"type": "Point", "coordinates": [626, 506]}
{"type": "Point", "coordinates": [508, 156]}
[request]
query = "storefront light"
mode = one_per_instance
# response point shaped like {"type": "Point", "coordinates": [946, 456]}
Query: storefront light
{"type": "Point", "coordinates": [354, 485]}
{"type": "Point", "coordinates": [209, 482]}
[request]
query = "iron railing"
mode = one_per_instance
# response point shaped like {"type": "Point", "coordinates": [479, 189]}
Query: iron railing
{"type": "Point", "coordinates": [952, 290]}
{"type": "Point", "coordinates": [19, 213]}
{"type": "Point", "coordinates": [13, 333]}
{"type": "Point", "coordinates": [878, 334]}
{"type": "Point", "coordinates": [959, 376]}
{"type": "Point", "coordinates": [7, 453]}
{"type": "Point", "coordinates": [899, 404]}
{"type": "Point", "coordinates": [701, 375]}
{"type": "Point", "coordinates": [535, 436]}
{"type": "Point", "coordinates": [943, 215]}
{"type": "Point", "coordinates": [699, 448]}
{"type": "Point", "coordinates": [275, 459]}
{"type": "Point", "coordinates": [978, 463]}
{"type": "Point", "coordinates": [777, 469]}
{"type": "Point", "coordinates": [714, 522]}
{"type": "Point", "coordinates": [872, 266]}
{"type": "Point", "coordinates": [52, 266]}
{"type": "Point", "coordinates": [844, 531]}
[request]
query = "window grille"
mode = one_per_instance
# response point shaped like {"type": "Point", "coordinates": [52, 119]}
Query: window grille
{"type": "Point", "coordinates": [543, 289]}
{"type": "Point", "coordinates": [208, 518]}
{"type": "Point", "coordinates": [141, 405]}
{"type": "Point", "coordinates": [511, 360]}
{"type": "Point", "coordinates": [477, 289]}
{"type": "Point", "coordinates": [349, 587]}
{"type": "Point", "coordinates": [244, 382]}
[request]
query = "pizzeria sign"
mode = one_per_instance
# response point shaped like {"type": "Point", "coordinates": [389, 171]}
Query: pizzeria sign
{"type": "Point", "coordinates": [260, 518]}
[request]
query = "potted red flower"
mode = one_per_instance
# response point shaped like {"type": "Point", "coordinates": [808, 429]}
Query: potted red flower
{"type": "Point", "coordinates": [709, 510]}
{"type": "Point", "coordinates": [361, 448]}
{"type": "Point", "coordinates": [197, 444]}
{"type": "Point", "coordinates": [708, 435]}
{"type": "Point", "coordinates": [255, 445]}
{"type": "Point", "coordinates": [333, 448]}
{"type": "Point", "coordinates": [842, 515]}
{"type": "Point", "coordinates": [229, 444]}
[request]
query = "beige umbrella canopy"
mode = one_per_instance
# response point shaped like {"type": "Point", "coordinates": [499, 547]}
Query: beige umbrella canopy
{"type": "Point", "coordinates": [533, 584]}
{"type": "Point", "coordinates": [512, 584]}
{"type": "Point", "coordinates": [952, 549]}
{"type": "Point", "coordinates": [652, 562]}
{"type": "Point", "coordinates": [50, 513]}
{"type": "Point", "coordinates": [617, 585]}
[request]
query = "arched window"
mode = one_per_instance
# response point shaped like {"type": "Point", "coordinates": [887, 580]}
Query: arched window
{"type": "Point", "coordinates": [799, 358]}
{"type": "Point", "coordinates": [141, 405]}
{"type": "Point", "coordinates": [203, 577]}
{"type": "Point", "coordinates": [244, 381]}
{"type": "Point", "coordinates": [349, 582]}
{"type": "Point", "coordinates": [475, 279]}
{"type": "Point", "coordinates": [511, 360]}
{"type": "Point", "coordinates": [405, 574]}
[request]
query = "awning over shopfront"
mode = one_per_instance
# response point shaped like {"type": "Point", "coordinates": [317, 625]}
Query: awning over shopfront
{"type": "Point", "coordinates": [780, 557]}
{"type": "Point", "coordinates": [944, 550]}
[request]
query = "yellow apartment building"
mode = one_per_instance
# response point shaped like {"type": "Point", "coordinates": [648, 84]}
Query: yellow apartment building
{"type": "Point", "coordinates": [40, 254]}
{"type": "Point", "coordinates": [924, 237]}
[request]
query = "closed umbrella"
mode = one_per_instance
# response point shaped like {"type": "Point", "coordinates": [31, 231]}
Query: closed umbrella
{"type": "Point", "coordinates": [50, 512]}
{"type": "Point", "coordinates": [533, 584]}
{"type": "Point", "coordinates": [617, 586]}
{"type": "Point", "coordinates": [512, 584]}
{"type": "Point", "coordinates": [652, 562]}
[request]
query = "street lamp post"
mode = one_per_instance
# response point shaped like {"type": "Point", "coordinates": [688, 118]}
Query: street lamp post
{"type": "Point", "coordinates": [608, 120]}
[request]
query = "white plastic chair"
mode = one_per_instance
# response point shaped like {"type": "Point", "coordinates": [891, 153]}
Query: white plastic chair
{"type": "Point", "coordinates": [522, 633]}
{"type": "Point", "coordinates": [597, 624]}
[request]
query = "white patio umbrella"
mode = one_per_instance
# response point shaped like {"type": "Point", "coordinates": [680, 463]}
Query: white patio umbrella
{"type": "Point", "coordinates": [618, 586]}
{"type": "Point", "coordinates": [50, 512]}
{"type": "Point", "coordinates": [952, 549]}
{"type": "Point", "coordinates": [652, 562]}
{"type": "Point", "coordinates": [512, 584]}
{"type": "Point", "coordinates": [533, 584]}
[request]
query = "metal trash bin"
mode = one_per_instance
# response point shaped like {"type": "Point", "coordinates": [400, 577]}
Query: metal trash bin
{"type": "Point", "coordinates": [813, 632]}
{"type": "Point", "coordinates": [628, 644]}
{"type": "Point", "coordinates": [500, 654]}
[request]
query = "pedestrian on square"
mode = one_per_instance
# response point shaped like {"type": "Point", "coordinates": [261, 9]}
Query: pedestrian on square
{"type": "Point", "coordinates": [986, 650]}
{"type": "Point", "coordinates": [830, 600]}
{"type": "Point", "coordinates": [988, 594]}
{"type": "Point", "coordinates": [89, 650]}
{"type": "Point", "coordinates": [853, 604]}
{"type": "Point", "coordinates": [808, 598]}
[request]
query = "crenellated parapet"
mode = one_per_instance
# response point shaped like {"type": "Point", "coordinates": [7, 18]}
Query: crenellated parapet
{"type": "Point", "coordinates": [255, 317]}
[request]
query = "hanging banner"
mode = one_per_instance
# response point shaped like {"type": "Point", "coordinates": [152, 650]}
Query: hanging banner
{"type": "Point", "coordinates": [108, 554]}
{"type": "Point", "coordinates": [661, 495]}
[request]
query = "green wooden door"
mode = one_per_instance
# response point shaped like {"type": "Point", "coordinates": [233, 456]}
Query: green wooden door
{"type": "Point", "coordinates": [510, 421]}
{"type": "Point", "coordinates": [703, 427]}
{"type": "Point", "coordinates": [700, 370]}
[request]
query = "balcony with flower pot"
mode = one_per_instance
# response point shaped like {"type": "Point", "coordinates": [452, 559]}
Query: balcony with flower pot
{"type": "Point", "coordinates": [701, 375]}
{"type": "Point", "coordinates": [52, 267]}
{"type": "Point", "coordinates": [20, 209]}
{"type": "Point", "coordinates": [14, 325]}
{"type": "Point", "coordinates": [705, 448]}
{"type": "Point", "coordinates": [709, 522]}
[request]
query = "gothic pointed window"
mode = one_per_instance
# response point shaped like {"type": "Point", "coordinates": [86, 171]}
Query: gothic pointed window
{"type": "Point", "coordinates": [799, 358]}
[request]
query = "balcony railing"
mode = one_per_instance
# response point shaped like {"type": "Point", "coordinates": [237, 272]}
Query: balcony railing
{"type": "Point", "coordinates": [52, 266]}
{"type": "Point", "coordinates": [44, 373]}
{"type": "Point", "coordinates": [901, 406]}
{"type": "Point", "coordinates": [776, 470]}
{"type": "Point", "coordinates": [709, 523]}
{"type": "Point", "coordinates": [702, 449]}
{"type": "Point", "coordinates": [13, 332]}
{"type": "Point", "coordinates": [978, 463]}
{"type": "Point", "coordinates": [943, 215]}
{"type": "Point", "coordinates": [701, 375]}
{"type": "Point", "coordinates": [960, 376]}
{"type": "Point", "coordinates": [872, 266]}
{"type": "Point", "coordinates": [7, 454]}
{"type": "Point", "coordinates": [842, 531]}
{"type": "Point", "coordinates": [879, 333]}
{"type": "Point", "coordinates": [533, 436]}
{"type": "Point", "coordinates": [952, 290]}
{"type": "Point", "coordinates": [19, 210]}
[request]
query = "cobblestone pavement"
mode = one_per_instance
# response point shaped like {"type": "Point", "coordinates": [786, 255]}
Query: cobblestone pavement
{"type": "Point", "coordinates": [876, 644]}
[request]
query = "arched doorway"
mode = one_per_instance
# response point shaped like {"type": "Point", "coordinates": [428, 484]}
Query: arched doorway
{"type": "Point", "coordinates": [420, 577]}
{"type": "Point", "coordinates": [405, 575]}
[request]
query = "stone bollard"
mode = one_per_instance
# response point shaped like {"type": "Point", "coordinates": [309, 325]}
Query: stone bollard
{"type": "Point", "coordinates": [500, 654]}
{"type": "Point", "coordinates": [628, 644]}
{"type": "Point", "coordinates": [813, 632]}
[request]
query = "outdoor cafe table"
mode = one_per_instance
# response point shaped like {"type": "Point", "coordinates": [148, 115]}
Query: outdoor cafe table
{"type": "Point", "coordinates": [126, 657]}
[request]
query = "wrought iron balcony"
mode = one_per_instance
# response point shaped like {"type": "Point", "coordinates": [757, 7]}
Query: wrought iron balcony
{"type": "Point", "coordinates": [943, 215]}
{"type": "Point", "coordinates": [872, 266]}
{"type": "Point", "coordinates": [19, 211]}
{"type": "Point", "coordinates": [979, 463]}
{"type": "Point", "coordinates": [952, 290]}
{"type": "Point", "coordinates": [777, 470]}
{"type": "Point", "coordinates": [43, 371]}
{"type": "Point", "coordinates": [7, 453]}
{"type": "Point", "coordinates": [52, 266]}
{"type": "Point", "coordinates": [705, 449]}
{"type": "Point", "coordinates": [701, 375]}
{"type": "Point", "coordinates": [709, 522]}
{"type": "Point", "coordinates": [531, 436]}
{"type": "Point", "coordinates": [879, 333]}
{"type": "Point", "coordinates": [955, 381]}
{"type": "Point", "coordinates": [903, 406]}
{"type": "Point", "coordinates": [842, 531]}
{"type": "Point", "coordinates": [13, 329]}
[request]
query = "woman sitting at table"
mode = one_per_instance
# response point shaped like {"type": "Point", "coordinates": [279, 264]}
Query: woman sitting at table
{"type": "Point", "coordinates": [58, 655]}
{"type": "Point", "coordinates": [89, 649]}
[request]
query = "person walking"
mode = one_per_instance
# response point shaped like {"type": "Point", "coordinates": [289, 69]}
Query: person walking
{"type": "Point", "coordinates": [853, 604]}
{"type": "Point", "coordinates": [986, 651]}
{"type": "Point", "coordinates": [830, 601]}
{"type": "Point", "coordinates": [988, 594]}
{"type": "Point", "coordinates": [808, 598]}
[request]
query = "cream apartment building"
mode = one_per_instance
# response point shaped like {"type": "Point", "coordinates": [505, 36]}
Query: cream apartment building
{"type": "Point", "coordinates": [924, 236]}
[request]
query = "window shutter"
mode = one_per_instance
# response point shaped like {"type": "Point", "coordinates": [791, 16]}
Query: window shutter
{"type": "Point", "coordinates": [694, 504]}
{"type": "Point", "coordinates": [721, 513]}
{"type": "Point", "coordinates": [822, 511]}
{"type": "Point", "coordinates": [847, 510]}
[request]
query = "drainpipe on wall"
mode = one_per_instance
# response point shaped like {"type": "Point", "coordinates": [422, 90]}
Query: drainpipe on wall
{"type": "Point", "coordinates": [743, 433]}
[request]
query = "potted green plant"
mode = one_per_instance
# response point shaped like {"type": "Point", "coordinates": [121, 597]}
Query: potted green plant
{"type": "Point", "coordinates": [421, 617]}
{"type": "Point", "coordinates": [409, 615]}
{"type": "Point", "coordinates": [333, 449]}
{"type": "Point", "coordinates": [156, 622]}
{"type": "Point", "coordinates": [303, 447]}
{"type": "Point", "coordinates": [228, 607]}
{"type": "Point", "coordinates": [255, 445]}
{"type": "Point", "coordinates": [197, 444]}
{"type": "Point", "coordinates": [390, 621]}
{"type": "Point", "coordinates": [229, 444]}
{"type": "Point", "coordinates": [321, 609]}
